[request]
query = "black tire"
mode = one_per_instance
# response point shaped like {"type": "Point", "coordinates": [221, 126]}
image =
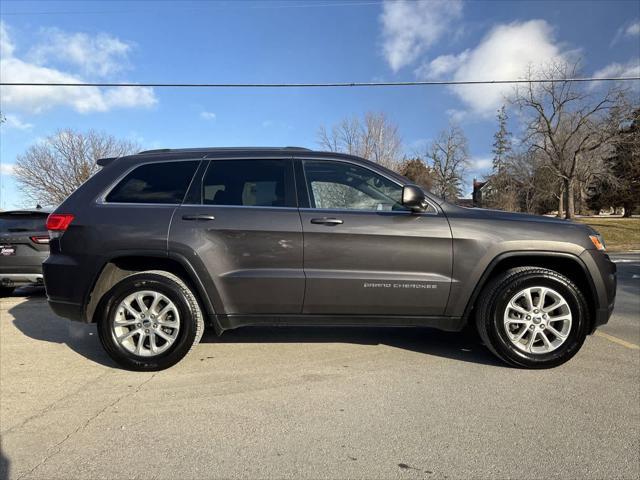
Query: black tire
{"type": "Point", "coordinates": [6, 291]}
{"type": "Point", "coordinates": [191, 321]}
{"type": "Point", "coordinates": [495, 298]}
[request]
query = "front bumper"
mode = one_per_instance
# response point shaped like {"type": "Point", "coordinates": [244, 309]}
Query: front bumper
{"type": "Point", "coordinates": [604, 277]}
{"type": "Point", "coordinates": [602, 316]}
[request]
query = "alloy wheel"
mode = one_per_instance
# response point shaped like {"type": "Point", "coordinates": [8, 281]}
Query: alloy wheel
{"type": "Point", "coordinates": [537, 320]}
{"type": "Point", "coordinates": [146, 323]}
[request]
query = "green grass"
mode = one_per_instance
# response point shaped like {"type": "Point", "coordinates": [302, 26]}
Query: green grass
{"type": "Point", "coordinates": [620, 234]}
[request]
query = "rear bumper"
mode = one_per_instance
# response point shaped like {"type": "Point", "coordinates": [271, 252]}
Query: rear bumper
{"type": "Point", "coordinates": [71, 311]}
{"type": "Point", "coordinates": [68, 280]}
{"type": "Point", "coordinates": [20, 279]}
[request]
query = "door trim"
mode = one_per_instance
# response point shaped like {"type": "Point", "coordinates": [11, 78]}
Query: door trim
{"type": "Point", "coordinates": [448, 324]}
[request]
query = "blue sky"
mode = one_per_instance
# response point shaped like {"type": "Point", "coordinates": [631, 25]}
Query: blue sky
{"type": "Point", "coordinates": [287, 41]}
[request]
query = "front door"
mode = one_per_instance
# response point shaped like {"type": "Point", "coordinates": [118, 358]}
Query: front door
{"type": "Point", "coordinates": [366, 254]}
{"type": "Point", "coordinates": [244, 229]}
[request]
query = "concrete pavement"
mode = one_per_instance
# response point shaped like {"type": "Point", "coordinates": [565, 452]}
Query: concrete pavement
{"type": "Point", "coordinates": [316, 403]}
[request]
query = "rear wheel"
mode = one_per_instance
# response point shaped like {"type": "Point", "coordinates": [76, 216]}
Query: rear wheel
{"type": "Point", "coordinates": [150, 321]}
{"type": "Point", "coordinates": [532, 317]}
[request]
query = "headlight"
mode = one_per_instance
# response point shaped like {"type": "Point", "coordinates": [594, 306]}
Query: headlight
{"type": "Point", "coordinates": [598, 242]}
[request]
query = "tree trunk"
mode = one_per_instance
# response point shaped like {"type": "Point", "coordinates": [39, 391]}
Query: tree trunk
{"type": "Point", "coordinates": [583, 202]}
{"type": "Point", "coordinates": [570, 201]}
{"type": "Point", "coordinates": [560, 203]}
{"type": "Point", "coordinates": [628, 209]}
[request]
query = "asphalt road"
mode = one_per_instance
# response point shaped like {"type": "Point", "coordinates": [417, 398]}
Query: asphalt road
{"type": "Point", "coordinates": [317, 403]}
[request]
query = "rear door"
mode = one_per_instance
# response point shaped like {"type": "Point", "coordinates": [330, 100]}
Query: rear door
{"type": "Point", "coordinates": [243, 228]}
{"type": "Point", "coordinates": [364, 253]}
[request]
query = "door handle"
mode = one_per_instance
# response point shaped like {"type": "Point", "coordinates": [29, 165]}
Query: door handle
{"type": "Point", "coordinates": [327, 221]}
{"type": "Point", "coordinates": [198, 217]}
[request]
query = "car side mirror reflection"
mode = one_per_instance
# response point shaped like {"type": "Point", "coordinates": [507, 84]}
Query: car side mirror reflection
{"type": "Point", "coordinates": [413, 198]}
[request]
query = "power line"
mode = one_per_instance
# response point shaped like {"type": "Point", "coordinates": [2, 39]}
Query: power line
{"type": "Point", "coordinates": [233, 6]}
{"type": "Point", "coordinates": [319, 85]}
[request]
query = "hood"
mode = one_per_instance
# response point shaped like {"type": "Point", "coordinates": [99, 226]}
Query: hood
{"type": "Point", "coordinates": [516, 216]}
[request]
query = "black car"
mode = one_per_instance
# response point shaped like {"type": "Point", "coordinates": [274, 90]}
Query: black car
{"type": "Point", "coordinates": [24, 244]}
{"type": "Point", "coordinates": [158, 244]}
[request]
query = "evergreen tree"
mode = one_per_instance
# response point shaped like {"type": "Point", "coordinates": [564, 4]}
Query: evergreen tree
{"type": "Point", "coordinates": [502, 142]}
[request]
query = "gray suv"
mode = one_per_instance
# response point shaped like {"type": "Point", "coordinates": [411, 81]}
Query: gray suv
{"type": "Point", "coordinates": [158, 244]}
{"type": "Point", "coordinates": [24, 245]}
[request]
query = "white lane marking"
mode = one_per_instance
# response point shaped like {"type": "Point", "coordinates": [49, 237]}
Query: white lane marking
{"type": "Point", "coordinates": [617, 340]}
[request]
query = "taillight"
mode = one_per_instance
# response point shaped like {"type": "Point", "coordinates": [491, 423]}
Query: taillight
{"type": "Point", "coordinates": [57, 224]}
{"type": "Point", "coordinates": [40, 239]}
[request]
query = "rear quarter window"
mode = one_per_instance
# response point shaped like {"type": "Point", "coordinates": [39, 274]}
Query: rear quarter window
{"type": "Point", "coordinates": [165, 182]}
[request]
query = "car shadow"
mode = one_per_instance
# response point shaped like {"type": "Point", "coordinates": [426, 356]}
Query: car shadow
{"type": "Point", "coordinates": [4, 466]}
{"type": "Point", "coordinates": [464, 346]}
{"type": "Point", "coordinates": [33, 318]}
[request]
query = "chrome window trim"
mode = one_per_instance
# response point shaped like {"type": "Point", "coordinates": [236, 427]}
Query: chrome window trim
{"type": "Point", "coordinates": [382, 174]}
{"type": "Point", "coordinates": [387, 212]}
{"type": "Point", "coordinates": [262, 207]}
{"type": "Point", "coordinates": [101, 198]}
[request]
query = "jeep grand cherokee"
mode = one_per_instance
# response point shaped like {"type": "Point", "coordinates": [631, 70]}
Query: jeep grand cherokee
{"type": "Point", "coordinates": [158, 244]}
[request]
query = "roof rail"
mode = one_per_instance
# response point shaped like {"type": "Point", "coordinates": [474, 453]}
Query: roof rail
{"type": "Point", "coordinates": [214, 149]}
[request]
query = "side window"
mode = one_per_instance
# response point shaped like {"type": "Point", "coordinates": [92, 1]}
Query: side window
{"type": "Point", "coordinates": [338, 185]}
{"type": "Point", "coordinates": [250, 183]}
{"type": "Point", "coordinates": [162, 182]}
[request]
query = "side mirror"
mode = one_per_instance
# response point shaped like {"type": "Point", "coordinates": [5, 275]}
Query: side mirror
{"type": "Point", "coordinates": [413, 198]}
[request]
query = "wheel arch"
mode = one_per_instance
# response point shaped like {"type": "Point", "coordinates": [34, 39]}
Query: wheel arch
{"type": "Point", "coordinates": [567, 264]}
{"type": "Point", "coordinates": [123, 265]}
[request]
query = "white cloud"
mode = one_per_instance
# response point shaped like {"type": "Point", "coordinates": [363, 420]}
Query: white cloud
{"type": "Point", "coordinates": [101, 55]}
{"type": "Point", "coordinates": [442, 65]}
{"type": "Point", "coordinates": [629, 69]}
{"type": "Point", "coordinates": [6, 46]}
{"type": "Point", "coordinates": [409, 28]}
{"type": "Point", "coordinates": [13, 121]}
{"type": "Point", "coordinates": [480, 164]}
{"type": "Point", "coordinates": [506, 52]}
{"type": "Point", "coordinates": [633, 30]}
{"type": "Point", "coordinates": [39, 99]}
{"type": "Point", "coordinates": [626, 31]}
{"type": "Point", "coordinates": [457, 116]}
{"type": "Point", "coordinates": [6, 168]}
{"type": "Point", "coordinates": [207, 115]}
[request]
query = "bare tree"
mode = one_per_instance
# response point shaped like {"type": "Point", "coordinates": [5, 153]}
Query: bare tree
{"type": "Point", "coordinates": [344, 137]}
{"type": "Point", "coordinates": [565, 124]}
{"type": "Point", "coordinates": [449, 158]}
{"type": "Point", "coordinates": [50, 170]}
{"type": "Point", "coordinates": [374, 138]}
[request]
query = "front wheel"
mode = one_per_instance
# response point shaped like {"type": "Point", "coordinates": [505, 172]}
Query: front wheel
{"type": "Point", "coordinates": [150, 321]}
{"type": "Point", "coordinates": [532, 317]}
